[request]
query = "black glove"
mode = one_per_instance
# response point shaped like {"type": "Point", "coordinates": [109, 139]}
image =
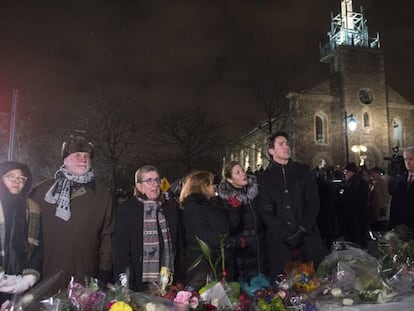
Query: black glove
{"type": "Point", "coordinates": [236, 242]}
{"type": "Point", "coordinates": [296, 240]}
{"type": "Point", "coordinates": [104, 276]}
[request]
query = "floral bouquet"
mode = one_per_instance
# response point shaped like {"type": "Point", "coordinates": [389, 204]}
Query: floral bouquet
{"type": "Point", "coordinates": [353, 276]}
{"type": "Point", "coordinates": [396, 255]}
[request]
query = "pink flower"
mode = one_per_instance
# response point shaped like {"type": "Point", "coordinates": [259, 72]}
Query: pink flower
{"type": "Point", "coordinates": [183, 297]}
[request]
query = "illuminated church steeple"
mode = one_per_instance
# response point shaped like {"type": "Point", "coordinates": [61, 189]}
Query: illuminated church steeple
{"type": "Point", "coordinates": [348, 28]}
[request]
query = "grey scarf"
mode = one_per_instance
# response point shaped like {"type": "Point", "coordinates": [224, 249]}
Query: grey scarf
{"type": "Point", "coordinates": [60, 191]}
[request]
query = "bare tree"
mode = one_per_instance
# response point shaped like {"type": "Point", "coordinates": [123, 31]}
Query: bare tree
{"type": "Point", "coordinates": [268, 87]}
{"type": "Point", "coordinates": [191, 136]}
{"type": "Point", "coordinates": [118, 127]}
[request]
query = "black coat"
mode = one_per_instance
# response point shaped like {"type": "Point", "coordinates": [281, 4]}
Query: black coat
{"type": "Point", "coordinates": [288, 198]}
{"type": "Point", "coordinates": [249, 259]}
{"type": "Point", "coordinates": [207, 220]}
{"type": "Point", "coordinates": [354, 210]}
{"type": "Point", "coordinates": [128, 239]}
{"type": "Point", "coordinates": [402, 202]}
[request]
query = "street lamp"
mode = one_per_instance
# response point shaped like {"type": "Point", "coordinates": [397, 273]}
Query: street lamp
{"type": "Point", "coordinates": [357, 149]}
{"type": "Point", "coordinates": [350, 123]}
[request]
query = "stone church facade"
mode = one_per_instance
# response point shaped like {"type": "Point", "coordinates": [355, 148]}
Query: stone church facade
{"type": "Point", "coordinates": [356, 90]}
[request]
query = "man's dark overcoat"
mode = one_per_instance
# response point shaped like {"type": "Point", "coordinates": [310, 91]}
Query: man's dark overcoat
{"type": "Point", "coordinates": [288, 198]}
{"type": "Point", "coordinates": [128, 238]}
{"type": "Point", "coordinates": [402, 202]}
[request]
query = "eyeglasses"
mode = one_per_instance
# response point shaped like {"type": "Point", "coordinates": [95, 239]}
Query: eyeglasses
{"type": "Point", "coordinates": [17, 179]}
{"type": "Point", "coordinates": [152, 182]}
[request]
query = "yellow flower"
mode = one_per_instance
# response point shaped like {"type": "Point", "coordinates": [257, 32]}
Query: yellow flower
{"type": "Point", "coordinates": [120, 306]}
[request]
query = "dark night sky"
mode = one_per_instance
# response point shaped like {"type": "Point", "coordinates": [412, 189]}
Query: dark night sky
{"type": "Point", "coordinates": [63, 53]}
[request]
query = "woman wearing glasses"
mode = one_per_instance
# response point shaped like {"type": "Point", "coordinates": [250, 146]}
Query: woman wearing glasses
{"type": "Point", "coordinates": [202, 216]}
{"type": "Point", "coordinates": [20, 243]}
{"type": "Point", "coordinates": [145, 233]}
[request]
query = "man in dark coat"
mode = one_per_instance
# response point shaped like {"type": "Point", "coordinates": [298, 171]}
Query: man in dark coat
{"type": "Point", "coordinates": [145, 232]}
{"type": "Point", "coordinates": [288, 202]}
{"type": "Point", "coordinates": [354, 207]}
{"type": "Point", "coordinates": [402, 190]}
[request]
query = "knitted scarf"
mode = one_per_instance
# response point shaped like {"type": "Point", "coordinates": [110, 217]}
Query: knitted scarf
{"type": "Point", "coordinates": [157, 245]}
{"type": "Point", "coordinates": [61, 190]}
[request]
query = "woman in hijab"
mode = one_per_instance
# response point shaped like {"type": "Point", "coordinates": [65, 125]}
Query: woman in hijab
{"type": "Point", "coordinates": [20, 234]}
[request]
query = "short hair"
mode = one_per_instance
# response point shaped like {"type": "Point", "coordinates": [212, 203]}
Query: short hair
{"type": "Point", "coordinates": [271, 138]}
{"type": "Point", "coordinates": [226, 172]}
{"type": "Point", "coordinates": [142, 170]}
{"type": "Point", "coordinates": [409, 149]}
{"type": "Point", "coordinates": [196, 182]}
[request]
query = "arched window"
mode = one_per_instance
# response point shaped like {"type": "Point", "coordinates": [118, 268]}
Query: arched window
{"type": "Point", "coordinates": [367, 122]}
{"type": "Point", "coordinates": [320, 129]}
{"type": "Point", "coordinates": [397, 133]}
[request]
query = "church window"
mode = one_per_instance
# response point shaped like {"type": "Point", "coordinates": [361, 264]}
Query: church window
{"type": "Point", "coordinates": [320, 129]}
{"type": "Point", "coordinates": [365, 96]}
{"type": "Point", "coordinates": [367, 122]}
{"type": "Point", "coordinates": [397, 133]}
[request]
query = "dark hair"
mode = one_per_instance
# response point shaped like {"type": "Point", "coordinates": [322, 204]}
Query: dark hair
{"type": "Point", "coordinates": [271, 138]}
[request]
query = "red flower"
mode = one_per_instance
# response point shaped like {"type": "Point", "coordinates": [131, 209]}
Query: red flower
{"type": "Point", "coordinates": [234, 201]}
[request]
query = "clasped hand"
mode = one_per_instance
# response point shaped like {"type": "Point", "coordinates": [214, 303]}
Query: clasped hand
{"type": "Point", "coordinates": [296, 239]}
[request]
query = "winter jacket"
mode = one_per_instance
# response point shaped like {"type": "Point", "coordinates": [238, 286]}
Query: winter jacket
{"type": "Point", "coordinates": [249, 257]}
{"type": "Point", "coordinates": [207, 220]}
{"type": "Point", "coordinates": [20, 229]}
{"type": "Point", "coordinates": [288, 199]}
{"type": "Point", "coordinates": [354, 210]}
{"type": "Point", "coordinates": [128, 239]}
{"type": "Point", "coordinates": [81, 246]}
{"type": "Point", "coordinates": [402, 206]}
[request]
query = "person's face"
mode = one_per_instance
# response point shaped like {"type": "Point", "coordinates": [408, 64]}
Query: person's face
{"type": "Point", "coordinates": [14, 181]}
{"type": "Point", "coordinates": [348, 174]}
{"type": "Point", "coordinates": [78, 163]}
{"type": "Point", "coordinates": [281, 150]}
{"type": "Point", "coordinates": [238, 177]}
{"type": "Point", "coordinates": [409, 161]}
{"type": "Point", "coordinates": [211, 191]}
{"type": "Point", "coordinates": [149, 185]}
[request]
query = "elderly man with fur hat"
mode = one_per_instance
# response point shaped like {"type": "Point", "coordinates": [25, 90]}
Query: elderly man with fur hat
{"type": "Point", "coordinates": [77, 219]}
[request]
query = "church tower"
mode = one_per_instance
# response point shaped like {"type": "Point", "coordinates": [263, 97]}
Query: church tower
{"type": "Point", "coordinates": [357, 80]}
{"type": "Point", "coordinates": [356, 89]}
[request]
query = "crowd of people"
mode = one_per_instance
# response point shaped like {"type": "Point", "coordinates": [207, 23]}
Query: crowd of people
{"type": "Point", "coordinates": [68, 227]}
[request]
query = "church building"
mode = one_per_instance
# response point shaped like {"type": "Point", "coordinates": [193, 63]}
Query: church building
{"type": "Point", "coordinates": [354, 115]}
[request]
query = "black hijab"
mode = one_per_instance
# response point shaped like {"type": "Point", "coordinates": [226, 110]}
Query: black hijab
{"type": "Point", "coordinates": [14, 209]}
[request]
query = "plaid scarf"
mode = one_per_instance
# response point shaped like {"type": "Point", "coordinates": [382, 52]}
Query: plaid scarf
{"type": "Point", "coordinates": [60, 191]}
{"type": "Point", "coordinates": [155, 256]}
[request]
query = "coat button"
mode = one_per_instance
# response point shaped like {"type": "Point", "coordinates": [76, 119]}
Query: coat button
{"type": "Point", "coordinates": [286, 191]}
{"type": "Point", "coordinates": [288, 206]}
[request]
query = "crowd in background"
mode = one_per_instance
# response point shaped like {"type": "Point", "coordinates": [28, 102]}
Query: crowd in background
{"type": "Point", "coordinates": [68, 226]}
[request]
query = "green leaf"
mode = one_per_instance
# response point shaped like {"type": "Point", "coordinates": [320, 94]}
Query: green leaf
{"type": "Point", "coordinates": [195, 263]}
{"type": "Point", "coordinates": [204, 247]}
{"type": "Point", "coordinates": [217, 262]}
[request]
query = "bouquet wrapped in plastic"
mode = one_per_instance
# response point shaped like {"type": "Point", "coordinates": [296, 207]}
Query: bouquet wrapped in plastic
{"type": "Point", "coordinates": [396, 254]}
{"type": "Point", "coordinates": [350, 275]}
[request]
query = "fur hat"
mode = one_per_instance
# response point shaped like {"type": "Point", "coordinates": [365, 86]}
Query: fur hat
{"type": "Point", "coordinates": [76, 144]}
{"type": "Point", "coordinates": [351, 166]}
